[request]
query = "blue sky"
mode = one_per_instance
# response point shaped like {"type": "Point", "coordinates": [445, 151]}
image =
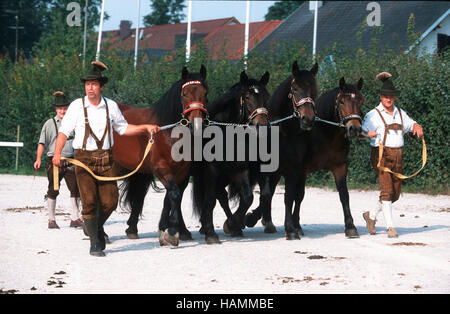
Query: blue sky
{"type": "Point", "coordinates": [201, 10]}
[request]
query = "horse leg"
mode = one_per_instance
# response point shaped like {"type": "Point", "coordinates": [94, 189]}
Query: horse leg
{"type": "Point", "coordinates": [289, 196]}
{"type": "Point", "coordinates": [185, 234]}
{"type": "Point", "coordinates": [245, 201]}
{"type": "Point", "coordinates": [265, 201]}
{"type": "Point", "coordinates": [340, 178]}
{"type": "Point", "coordinates": [298, 200]}
{"type": "Point", "coordinates": [169, 224]}
{"type": "Point", "coordinates": [222, 197]}
{"type": "Point", "coordinates": [267, 185]}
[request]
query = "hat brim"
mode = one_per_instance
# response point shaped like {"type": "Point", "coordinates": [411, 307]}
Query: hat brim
{"type": "Point", "coordinates": [390, 92]}
{"type": "Point", "coordinates": [61, 105]}
{"type": "Point", "coordinates": [102, 79]}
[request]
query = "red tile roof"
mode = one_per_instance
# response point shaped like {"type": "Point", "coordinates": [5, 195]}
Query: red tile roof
{"type": "Point", "coordinates": [217, 32]}
{"type": "Point", "coordinates": [163, 36]}
{"type": "Point", "coordinates": [229, 39]}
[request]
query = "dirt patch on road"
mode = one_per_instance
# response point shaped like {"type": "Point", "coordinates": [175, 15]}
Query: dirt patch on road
{"type": "Point", "coordinates": [409, 244]}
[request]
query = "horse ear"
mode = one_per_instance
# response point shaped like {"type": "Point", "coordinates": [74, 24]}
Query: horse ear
{"type": "Point", "coordinates": [314, 69]}
{"type": "Point", "coordinates": [360, 83]}
{"type": "Point", "coordinates": [265, 78]}
{"type": "Point", "coordinates": [243, 78]}
{"type": "Point", "coordinates": [342, 84]}
{"type": "Point", "coordinates": [295, 69]}
{"type": "Point", "coordinates": [203, 72]}
{"type": "Point", "coordinates": [184, 73]}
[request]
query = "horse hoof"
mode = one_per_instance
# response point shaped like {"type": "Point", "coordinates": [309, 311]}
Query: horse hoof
{"type": "Point", "coordinates": [250, 221]}
{"type": "Point", "coordinates": [226, 228]}
{"type": "Point", "coordinates": [212, 239]}
{"type": "Point", "coordinates": [185, 236]}
{"type": "Point", "coordinates": [132, 236]}
{"type": "Point", "coordinates": [168, 237]}
{"type": "Point", "coordinates": [292, 236]}
{"type": "Point", "coordinates": [270, 228]}
{"type": "Point", "coordinates": [351, 233]}
{"type": "Point", "coordinates": [237, 233]}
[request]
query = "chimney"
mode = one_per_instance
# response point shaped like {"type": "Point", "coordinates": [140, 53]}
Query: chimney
{"type": "Point", "coordinates": [312, 5]}
{"type": "Point", "coordinates": [125, 29]}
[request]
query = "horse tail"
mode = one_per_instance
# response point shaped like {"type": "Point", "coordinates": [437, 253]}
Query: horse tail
{"type": "Point", "coordinates": [133, 190]}
{"type": "Point", "coordinates": [198, 188]}
{"type": "Point", "coordinates": [234, 188]}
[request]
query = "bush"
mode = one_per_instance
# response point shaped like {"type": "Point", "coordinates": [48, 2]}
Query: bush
{"type": "Point", "coordinates": [26, 97]}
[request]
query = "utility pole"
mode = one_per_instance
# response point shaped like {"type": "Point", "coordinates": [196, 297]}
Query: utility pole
{"type": "Point", "coordinates": [16, 27]}
{"type": "Point", "coordinates": [85, 30]}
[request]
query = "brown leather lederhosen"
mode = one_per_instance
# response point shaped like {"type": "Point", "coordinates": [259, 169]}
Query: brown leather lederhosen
{"type": "Point", "coordinates": [66, 171]}
{"type": "Point", "coordinates": [100, 161]}
{"type": "Point", "coordinates": [390, 185]}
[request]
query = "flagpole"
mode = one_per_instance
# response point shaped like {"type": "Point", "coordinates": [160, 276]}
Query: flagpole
{"type": "Point", "coordinates": [85, 35]}
{"type": "Point", "coordinates": [97, 56]}
{"type": "Point", "coordinates": [188, 34]}
{"type": "Point", "coordinates": [315, 31]}
{"type": "Point", "coordinates": [247, 18]}
{"type": "Point", "coordinates": [137, 34]}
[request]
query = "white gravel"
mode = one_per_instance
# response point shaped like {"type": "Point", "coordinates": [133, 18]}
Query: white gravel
{"type": "Point", "coordinates": [35, 259]}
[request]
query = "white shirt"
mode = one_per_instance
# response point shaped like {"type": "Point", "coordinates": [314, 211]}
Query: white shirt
{"type": "Point", "coordinates": [372, 122]}
{"type": "Point", "coordinates": [74, 121]}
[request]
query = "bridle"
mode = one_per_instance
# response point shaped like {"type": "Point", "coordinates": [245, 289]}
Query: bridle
{"type": "Point", "coordinates": [300, 102]}
{"type": "Point", "coordinates": [258, 111]}
{"type": "Point", "coordinates": [343, 120]}
{"type": "Point", "coordinates": [193, 105]}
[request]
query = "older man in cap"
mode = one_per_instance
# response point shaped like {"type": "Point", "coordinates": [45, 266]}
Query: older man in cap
{"type": "Point", "coordinates": [387, 124]}
{"type": "Point", "coordinates": [47, 141]}
{"type": "Point", "coordinates": [93, 119]}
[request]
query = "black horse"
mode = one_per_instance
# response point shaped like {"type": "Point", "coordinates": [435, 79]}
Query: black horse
{"type": "Point", "coordinates": [186, 98]}
{"type": "Point", "coordinates": [244, 103]}
{"type": "Point", "coordinates": [328, 147]}
{"type": "Point", "coordinates": [294, 97]}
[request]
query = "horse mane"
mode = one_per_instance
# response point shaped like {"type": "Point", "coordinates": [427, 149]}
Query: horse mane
{"type": "Point", "coordinates": [169, 107]}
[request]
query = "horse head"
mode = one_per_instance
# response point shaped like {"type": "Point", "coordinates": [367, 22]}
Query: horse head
{"type": "Point", "coordinates": [253, 97]}
{"type": "Point", "coordinates": [194, 97]}
{"type": "Point", "coordinates": [348, 107]}
{"type": "Point", "coordinates": [303, 93]}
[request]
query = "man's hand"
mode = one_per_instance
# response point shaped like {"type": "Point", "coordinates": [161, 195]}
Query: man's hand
{"type": "Point", "coordinates": [57, 159]}
{"type": "Point", "coordinates": [371, 134]}
{"type": "Point", "coordinates": [37, 164]}
{"type": "Point", "coordinates": [417, 130]}
{"type": "Point", "coordinates": [151, 128]}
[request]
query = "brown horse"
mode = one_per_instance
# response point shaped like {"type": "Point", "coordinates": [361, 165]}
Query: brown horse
{"type": "Point", "coordinates": [327, 147]}
{"type": "Point", "coordinates": [187, 99]}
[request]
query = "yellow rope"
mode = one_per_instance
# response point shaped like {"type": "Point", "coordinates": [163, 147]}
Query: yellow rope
{"type": "Point", "coordinates": [399, 175]}
{"type": "Point", "coordinates": [80, 164]}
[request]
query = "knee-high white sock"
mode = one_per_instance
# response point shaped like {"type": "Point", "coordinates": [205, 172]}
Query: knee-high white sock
{"type": "Point", "coordinates": [75, 208]}
{"type": "Point", "coordinates": [51, 208]}
{"type": "Point", "coordinates": [387, 211]}
{"type": "Point", "coordinates": [373, 213]}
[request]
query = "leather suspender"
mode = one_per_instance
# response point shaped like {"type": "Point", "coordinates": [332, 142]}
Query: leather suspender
{"type": "Point", "coordinates": [393, 126]}
{"type": "Point", "coordinates": [88, 131]}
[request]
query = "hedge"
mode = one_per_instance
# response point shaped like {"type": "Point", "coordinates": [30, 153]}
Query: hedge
{"type": "Point", "coordinates": [26, 97]}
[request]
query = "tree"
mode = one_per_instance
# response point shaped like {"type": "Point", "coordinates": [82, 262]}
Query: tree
{"type": "Point", "coordinates": [165, 12]}
{"type": "Point", "coordinates": [281, 9]}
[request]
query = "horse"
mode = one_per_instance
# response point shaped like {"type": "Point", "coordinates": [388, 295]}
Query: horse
{"type": "Point", "coordinates": [328, 147]}
{"type": "Point", "coordinates": [294, 98]}
{"type": "Point", "coordinates": [245, 102]}
{"type": "Point", "coordinates": [186, 98]}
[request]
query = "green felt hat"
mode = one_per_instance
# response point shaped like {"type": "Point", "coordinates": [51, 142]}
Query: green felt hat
{"type": "Point", "coordinates": [95, 73]}
{"type": "Point", "coordinates": [60, 99]}
{"type": "Point", "coordinates": [387, 87]}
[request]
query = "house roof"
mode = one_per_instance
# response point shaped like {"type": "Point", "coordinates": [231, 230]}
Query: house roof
{"type": "Point", "coordinates": [340, 21]}
{"type": "Point", "coordinates": [163, 37]}
{"type": "Point", "coordinates": [229, 39]}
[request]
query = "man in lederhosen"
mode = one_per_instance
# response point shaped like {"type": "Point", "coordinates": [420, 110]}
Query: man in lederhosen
{"type": "Point", "coordinates": [386, 124]}
{"type": "Point", "coordinates": [93, 118]}
{"type": "Point", "coordinates": [47, 141]}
